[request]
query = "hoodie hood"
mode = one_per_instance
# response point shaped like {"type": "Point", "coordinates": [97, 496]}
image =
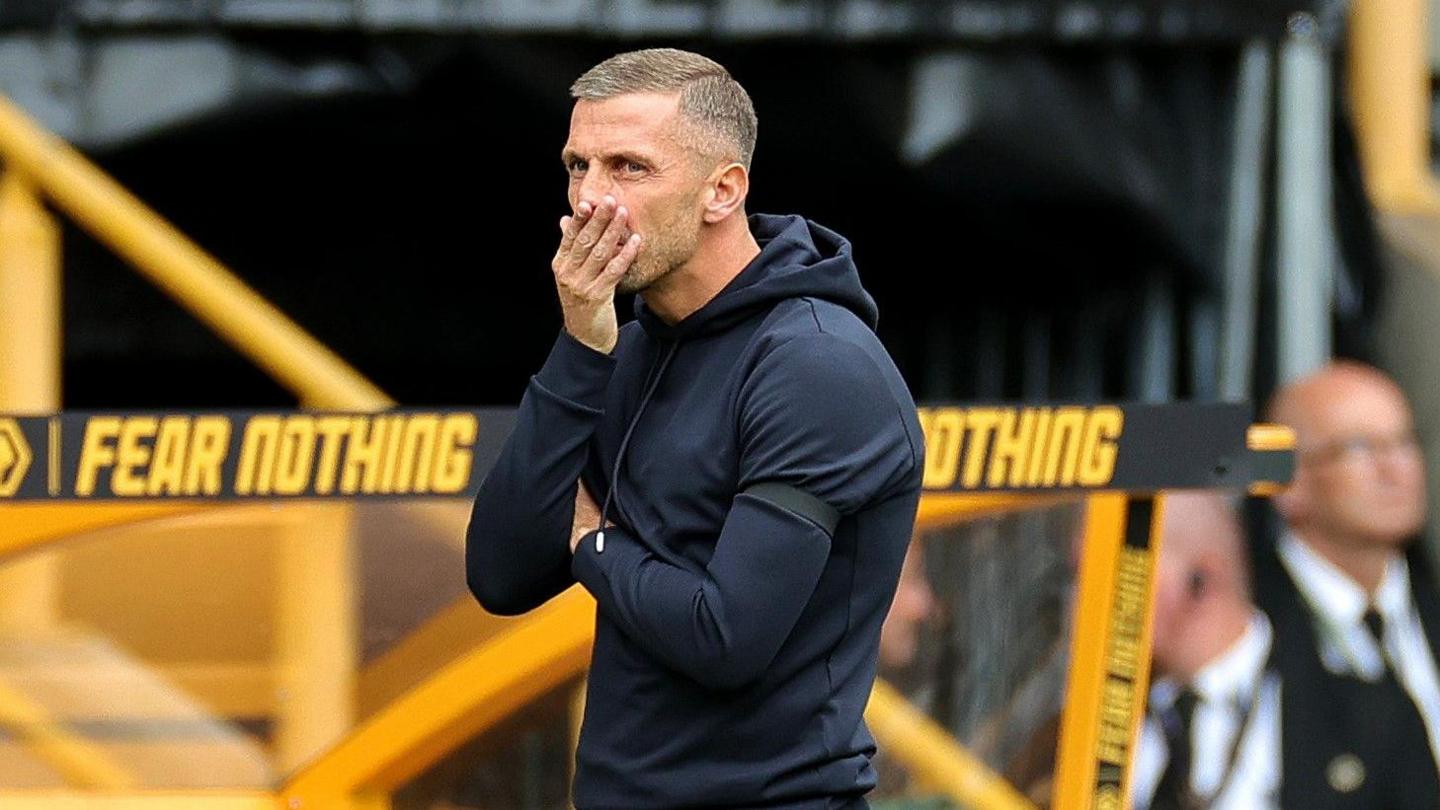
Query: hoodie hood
{"type": "Point", "coordinates": [798, 258]}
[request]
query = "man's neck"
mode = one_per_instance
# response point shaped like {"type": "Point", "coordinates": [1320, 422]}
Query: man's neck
{"type": "Point", "coordinates": [1364, 564]}
{"type": "Point", "coordinates": [715, 264]}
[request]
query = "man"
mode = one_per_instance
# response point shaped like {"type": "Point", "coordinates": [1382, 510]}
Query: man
{"type": "Point", "coordinates": [1357, 499]}
{"type": "Point", "coordinates": [733, 476]}
{"type": "Point", "coordinates": [1239, 720]}
{"type": "Point", "coordinates": [1212, 736]}
{"type": "Point", "coordinates": [913, 606]}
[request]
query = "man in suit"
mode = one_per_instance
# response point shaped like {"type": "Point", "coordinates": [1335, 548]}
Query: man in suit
{"type": "Point", "coordinates": [1240, 716]}
{"type": "Point", "coordinates": [1212, 734]}
{"type": "Point", "coordinates": [1356, 502]}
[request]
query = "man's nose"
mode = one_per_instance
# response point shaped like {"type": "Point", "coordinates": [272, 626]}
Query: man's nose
{"type": "Point", "coordinates": [1394, 466]}
{"type": "Point", "coordinates": [594, 188]}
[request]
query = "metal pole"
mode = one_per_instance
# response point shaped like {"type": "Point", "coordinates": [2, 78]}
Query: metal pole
{"type": "Point", "coordinates": [29, 376]}
{"type": "Point", "coordinates": [1109, 653]}
{"type": "Point", "coordinates": [1245, 216]}
{"type": "Point", "coordinates": [1305, 246]}
{"type": "Point", "coordinates": [1155, 372]}
{"type": "Point", "coordinates": [316, 635]}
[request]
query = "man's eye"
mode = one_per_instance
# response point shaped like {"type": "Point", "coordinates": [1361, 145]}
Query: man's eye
{"type": "Point", "coordinates": [633, 167]}
{"type": "Point", "coordinates": [577, 166]}
{"type": "Point", "coordinates": [1358, 447]}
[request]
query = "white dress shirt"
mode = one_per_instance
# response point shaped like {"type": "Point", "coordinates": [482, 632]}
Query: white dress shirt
{"type": "Point", "coordinates": [1346, 644]}
{"type": "Point", "coordinates": [1227, 691]}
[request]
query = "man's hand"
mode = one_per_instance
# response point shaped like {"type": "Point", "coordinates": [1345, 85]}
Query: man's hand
{"type": "Point", "coordinates": [587, 516]}
{"type": "Point", "coordinates": [588, 265]}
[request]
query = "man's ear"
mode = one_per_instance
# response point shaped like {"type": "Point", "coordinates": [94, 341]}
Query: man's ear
{"type": "Point", "coordinates": [1292, 502]}
{"type": "Point", "coordinates": [726, 193]}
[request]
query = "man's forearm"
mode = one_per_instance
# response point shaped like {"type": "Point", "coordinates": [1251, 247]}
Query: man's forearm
{"type": "Point", "coordinates": [517, 549]}
{"type": "Point", "coordinates": [724, 625]}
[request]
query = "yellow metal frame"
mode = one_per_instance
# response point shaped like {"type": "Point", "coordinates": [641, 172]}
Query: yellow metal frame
{"type": "Point", "coordinates": [1389, 80]}
{"type": "Point", "coordinates": [317, 647]}
{"type": "Point", "coordinates": [80, 762]}
{"type": "Point", "coordinates": [523, 662]}
{"type": "Point", "coordinates": [1106, 693]}
{"type": "Point", "coordinates": [929, 751]}
{"type": "Point", "coordinates": [33, 525]}
{"type": "Point", "coordinates": [196, 280]}
{"type": "Point", "coordinates": [139, 800]}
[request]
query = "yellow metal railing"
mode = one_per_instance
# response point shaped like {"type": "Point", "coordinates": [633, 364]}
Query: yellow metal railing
{"type": "Point", "coordinates": [30, 278]}
{"type": "Point", "coordinates": [1389, 85]}
{"type": "Point", "coordinates": [317, 653]}
{"type": "Point", "coordinates": [142, 800]}
{"type": "Point", "coordinates": [1114, 590]}
{"type": "Point", "coordinates": [934, 757]}
{"type": "Point", "coordinates": [518, 665]}
{"type": "Point", "coordinates": [80, 762]}
{"type": "Point", "coordinates": [541, 651]}
{"type": "Point", "coordinates": [239, 315]}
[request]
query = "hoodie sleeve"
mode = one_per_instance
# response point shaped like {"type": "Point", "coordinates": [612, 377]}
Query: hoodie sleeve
{"type": "Point", "coordinates": [816, 415]}
{"type": "Point", "coordinates": [517, 546]}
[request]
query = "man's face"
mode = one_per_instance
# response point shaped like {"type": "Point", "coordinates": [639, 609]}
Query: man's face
{"type": "Point", "coordinates": [1360, 472]}
{"type": "Point", "coordinates": [629, 147]}
{"type": "Point", "coordinates": [1198, 575]}
{"type": "Point", "coordinates": [913, 606]}
{"type": "Point", "coordinates": [1167, 624]}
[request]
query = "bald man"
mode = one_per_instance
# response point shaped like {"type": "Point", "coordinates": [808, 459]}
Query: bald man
{"type": "Point", "coordinates": [1358, 496]}
{"type": "Point", "coordinates": [1234, 724]}
{"type": "Point", "coordinates": [1357, 500]}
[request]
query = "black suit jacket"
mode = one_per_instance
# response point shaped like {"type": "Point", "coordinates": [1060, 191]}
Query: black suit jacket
{"type": "Point", "coordinates": [1345, 742]}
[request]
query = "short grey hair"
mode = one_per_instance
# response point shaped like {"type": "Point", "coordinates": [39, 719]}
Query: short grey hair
{"type": "Point", "coordinates": [710, 98]}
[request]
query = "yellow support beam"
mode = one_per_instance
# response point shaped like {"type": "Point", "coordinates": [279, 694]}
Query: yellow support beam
{"type": "Point", "coordinates": [519, 664]}
{"type": "Point", "coordinates": [30, 281]}
{"type": "Point", "coordinates": [1264, 438]}
{"type": "Point", "coordinates": [144, 800]}
{"type": "Point", "coordinates": [370, 801]}
{"type": "Point", "coordinates": [194, 278]}
{"type": "Point", "coordinates": [1389, 82]}
{"type": "Point", "coordinates": [31, 525]}
{"type": "Point", "coordinates": [527, 657]}
{"type": "Point", "coordinates": [441, 639]}
{"type": "Point", "coordinates": [81, 763]}
{"type": "Point", "coordinates": [929, 752]}
{"type": "Point", "coordinates": [1109, 653]}
{"type": "Point", "coordinates": [940, 509]}
{"type": "Point", "coordinates": [29, 301]}
{"type": "Point", "coordinates": [316, 634]}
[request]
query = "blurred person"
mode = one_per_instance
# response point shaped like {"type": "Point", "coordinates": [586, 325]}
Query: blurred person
{"type": "Point", "coordinates": [1018, 735]}
{"type": "Point", "coordinates": [1357, 500]}
{"type": "Point", "coordinates": [913, 607]}
{"type": "Point", "coordinates": [1236, 719]}
{"type": "Point", "coordinates": [1212, 733]}
{"type": "Point", "coordinates": [755, 455]}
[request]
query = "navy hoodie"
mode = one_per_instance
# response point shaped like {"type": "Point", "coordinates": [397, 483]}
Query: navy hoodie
{"type": "Point", "coordinates": [736, 634]}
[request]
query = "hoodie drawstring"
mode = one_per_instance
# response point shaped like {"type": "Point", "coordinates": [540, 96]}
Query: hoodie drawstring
{"type": "Point", "coordinates": [625, 444]}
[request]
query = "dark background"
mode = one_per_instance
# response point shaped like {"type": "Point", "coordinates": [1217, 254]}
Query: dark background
{"type": "Point", "coordinates": [412, 230]}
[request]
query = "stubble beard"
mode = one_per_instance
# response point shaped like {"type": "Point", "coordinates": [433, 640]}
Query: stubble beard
{"type": "Point", "coordinates": [658, 260]}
